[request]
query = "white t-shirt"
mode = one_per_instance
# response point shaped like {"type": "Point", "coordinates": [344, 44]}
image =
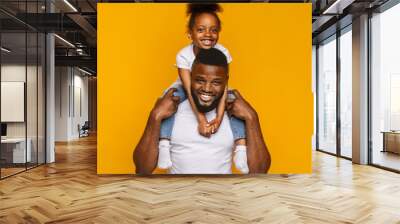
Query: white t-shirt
{"type": "Point", "coordinates": [186, 56]}
{"type": "Point", "coordinates": [192, 153]}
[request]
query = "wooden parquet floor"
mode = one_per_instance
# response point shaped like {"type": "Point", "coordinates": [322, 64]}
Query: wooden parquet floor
{"type": "Point", "coordinates": [69, 191]}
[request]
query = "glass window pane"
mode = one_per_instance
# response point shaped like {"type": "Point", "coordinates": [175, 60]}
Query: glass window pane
{"type": "Point", "coordinates": [314, 74]}
{"type": "Point", "coordinates": [386, 88]}
{"type": "Point", "coordinates": [32, 95]}
{"type": "Point", "coordinates": [327, 96]}
{"type": "Point", "coordinates": [23, 88]}
{"type": "Point", "coordinates": [346, 94]}
{"type": "Point", "coordinates": [14, 153]}
{"type": "Point", "coordinates": [41, 98]}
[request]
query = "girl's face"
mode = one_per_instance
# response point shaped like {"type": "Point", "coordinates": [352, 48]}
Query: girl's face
{"type": "Point", "coordinates": [205, 31]}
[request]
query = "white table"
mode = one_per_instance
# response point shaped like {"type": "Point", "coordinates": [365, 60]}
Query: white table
{"type": "Point", "coordinates": [18, 149]}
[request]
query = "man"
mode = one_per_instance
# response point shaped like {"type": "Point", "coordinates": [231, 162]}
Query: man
{"type": "Point", "coordinates": [192, 153]}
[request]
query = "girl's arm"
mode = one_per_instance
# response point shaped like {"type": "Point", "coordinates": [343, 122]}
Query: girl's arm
{"type": "Point", "coordinates": [220, 112]}
{"type": "Point", "coordinates": [204, 127]}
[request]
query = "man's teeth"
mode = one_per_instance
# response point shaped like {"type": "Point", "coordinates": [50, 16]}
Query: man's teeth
{"type": "Point", "coordinates": [205, 97]}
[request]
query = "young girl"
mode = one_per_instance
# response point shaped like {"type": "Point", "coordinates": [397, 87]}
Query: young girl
{"type": "Point", "coordinates": [203, 29]}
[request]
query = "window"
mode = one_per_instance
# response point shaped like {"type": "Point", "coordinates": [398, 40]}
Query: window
{"type": "Point", "coordinates": [385, 88]}
{"type": "Point", "coordinates": [346, 93]}
{"type": "Point", "coordinates": [327, 95]}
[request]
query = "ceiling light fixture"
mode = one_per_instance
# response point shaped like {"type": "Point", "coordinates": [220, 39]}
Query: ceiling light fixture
{"type": "Point", "coordinates": [70, 5]}
{"type": "Point", "coordinates": [337, 7]}
{"type": "Point", "coordinates": [79, 51]}
{"type": "Point", "coordinates": [84, 71]}
{"type": "Point", "coordinates": [64, 40]}
{"type": "Point", "coordinates": [5, 50]}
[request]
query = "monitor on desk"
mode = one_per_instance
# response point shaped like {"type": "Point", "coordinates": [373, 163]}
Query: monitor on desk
{"type": "Point", "coordinates": [3, 130]}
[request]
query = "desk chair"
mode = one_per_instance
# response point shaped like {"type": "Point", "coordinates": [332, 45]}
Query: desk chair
{"type": "Point", "coordinates": [84, 130]}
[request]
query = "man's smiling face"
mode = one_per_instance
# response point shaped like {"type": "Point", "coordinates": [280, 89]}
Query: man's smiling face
{"type": "Point", "coordinates": [207, 85]}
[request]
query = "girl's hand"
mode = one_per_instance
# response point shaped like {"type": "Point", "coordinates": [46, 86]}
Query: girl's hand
{"type": "Point", "coordinates": [215, 125]}
{"type": "Point", "coordinates": [205, 128]}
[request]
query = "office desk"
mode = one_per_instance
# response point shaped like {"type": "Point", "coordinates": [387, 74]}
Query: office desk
{"type": "Point", "coordinates": [391, 141]}
{"type": "Point", "coordinates": [13, 150]}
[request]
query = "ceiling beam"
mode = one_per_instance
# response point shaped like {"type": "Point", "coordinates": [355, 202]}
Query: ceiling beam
{"type": "Point", "coordinates": [83, 61]}
{"type": "Point", "coordinates": [84, 24]}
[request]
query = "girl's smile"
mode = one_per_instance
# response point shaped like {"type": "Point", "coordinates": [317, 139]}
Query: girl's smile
{"type": "Point", "coordinates": [205, 31]}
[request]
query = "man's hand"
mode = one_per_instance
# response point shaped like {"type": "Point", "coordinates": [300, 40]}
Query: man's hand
{"type": "Point", "coordinates": [166, 105]}
{"type": "Point", "coordinates": [240, 108]}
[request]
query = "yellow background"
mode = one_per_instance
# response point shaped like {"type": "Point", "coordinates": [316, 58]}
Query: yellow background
{"type": "Point", "coordinates": [271, 49]}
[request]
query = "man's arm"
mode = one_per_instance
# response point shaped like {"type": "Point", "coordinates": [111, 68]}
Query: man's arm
{"type": "Point", "coordinates": [258, 157]}
{"type": "Point", "coordinates": [146, 152]}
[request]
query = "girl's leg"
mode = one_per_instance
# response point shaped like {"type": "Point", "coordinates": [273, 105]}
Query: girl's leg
{"type": "Point", "coordinates": [240, 154]}
{"type": "Point", "coordinates": [240, 158]}
{"type": "Point", "coordinates": [238, 126]}
{"type": "Point", "coordinates": [168, 124]}
{"type": "Point", "coordinates": [166, 127]}
{"type": "Point", "coordinates": [238, 130]}
{"type": "Point", "coordinates": [164, 157]}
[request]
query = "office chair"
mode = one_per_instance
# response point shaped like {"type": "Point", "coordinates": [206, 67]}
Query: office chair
{"type": "Point", "coordinates": [84, 130]}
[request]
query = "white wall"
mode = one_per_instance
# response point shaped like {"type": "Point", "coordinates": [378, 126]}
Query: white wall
{"type": "Point", "coordinates": [80, 84]}
{"type": "Point", "coordinates": [62, 82]}
{"type": "Point", "coordinates": [10, 73]}
{"type": "Point", "coordinates": [71, 93]}
{"type": "Point", "coordinates": [13, 101]}
{"type": "Point", "coordinates": [16, 73]}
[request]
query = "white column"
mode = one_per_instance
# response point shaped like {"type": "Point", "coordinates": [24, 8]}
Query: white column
{"type": "Point", "coordinates": [360, 90]}
{"type": "Point", "coordinates": [50, 100]}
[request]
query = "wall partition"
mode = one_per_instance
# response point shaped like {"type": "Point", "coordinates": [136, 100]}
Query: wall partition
{"type": "Point", "coordinates": [22, 87]}
{"type": "Point", "coordinates": [13, 145]}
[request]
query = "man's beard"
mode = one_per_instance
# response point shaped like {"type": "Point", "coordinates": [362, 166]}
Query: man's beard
{"type": "Point", "coordinates": [202, 108]}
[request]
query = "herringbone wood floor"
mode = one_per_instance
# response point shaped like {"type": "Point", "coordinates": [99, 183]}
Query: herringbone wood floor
{"type": "Point", "coordinates": [69, 191]}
